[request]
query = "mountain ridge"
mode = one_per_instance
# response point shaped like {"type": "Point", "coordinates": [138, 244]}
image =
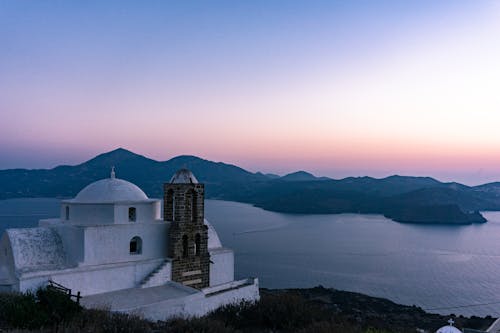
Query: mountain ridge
{"type": "Point", "coordinates": [403, 198]}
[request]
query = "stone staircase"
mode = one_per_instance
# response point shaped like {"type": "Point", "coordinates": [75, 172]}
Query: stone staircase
{"type": "Point", "coordinates": [159, 276]}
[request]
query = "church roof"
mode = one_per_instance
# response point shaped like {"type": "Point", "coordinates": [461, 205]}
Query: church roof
{"type": "Point", "coordinates": [449, 329]}
{"type": "Point", "coordinates": [183, 176]}
{"type": "Point", "coordinates": [36, 249]}
{"type": "Point", "coordinates": [110, 190]}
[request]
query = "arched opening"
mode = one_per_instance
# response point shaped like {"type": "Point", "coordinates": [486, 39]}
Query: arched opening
{"type": "Point", "coordinates": [67, 212]}
{"type": "Point", "coordinates": [170, 206]}
{"type": "Point", "coordinates": [185, 246]}
{"type": "Point", "coordinates": [173, 208]}
{"type": "Point", "coordinates": [136, 245]}
{"type": "Point", "coordinates": [194, 202]}
{"type": "Point", "coordinates": [132, 214]}
{"type": "Point", "coordinates": [197, 243]}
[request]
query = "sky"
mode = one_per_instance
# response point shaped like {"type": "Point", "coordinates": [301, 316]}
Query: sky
{"type": "Point", "coordinates": [337, 88]}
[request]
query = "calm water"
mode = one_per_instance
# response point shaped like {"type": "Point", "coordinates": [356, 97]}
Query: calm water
{"type": "Point", "coordinates": [431, 266]}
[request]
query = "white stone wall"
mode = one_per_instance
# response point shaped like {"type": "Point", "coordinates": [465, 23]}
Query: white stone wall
{"type": "Point", "coordinates": [88, 214]}
{"type": "Point", "coordinates": [198, 304]}
{"type": "Point", "coordinates": [110, 243]}
{"type": "Point", "coordinates": [221, 266]}
{"type": "Point", "coordinates": [145, 212]}
{"type": "Point", "coordinates": [237, 291]}
{"type": "Point", "coordinates": [33, 283]}
{"type": "Point", "coordinates": [73, 242]}
{"type": "Point", "coordinates": [8, 279]}
{"type": "Point", "coordinates": [94, 280]}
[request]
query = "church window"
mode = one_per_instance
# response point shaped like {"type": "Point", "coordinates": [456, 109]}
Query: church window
{"type": "Point", "coordinates": [136, 245]}
{"type": "Point", "coordinates": [185, 247]}
{"type": "Point", "coordinates": [132, 214]}
{"type": "Point", "coordinates": [67, 212]}
{"type": "Point", "coordinates": [197, 243]}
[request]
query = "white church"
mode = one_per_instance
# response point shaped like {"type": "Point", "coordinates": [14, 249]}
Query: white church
{"type": "Point", "coordinates": [113, 246]}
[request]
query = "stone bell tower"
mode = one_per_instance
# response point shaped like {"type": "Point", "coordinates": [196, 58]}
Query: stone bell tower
{"type": "Point", "coordinates": [183, 206]}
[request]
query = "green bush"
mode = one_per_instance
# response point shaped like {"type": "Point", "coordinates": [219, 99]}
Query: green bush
{"type": "Point", "coordinates": [195, 325]}
{"type": "Point", "coordinates": [103, 321]}
{"type": "Point", "coordinates": [21, 311]}
{"type": "Point", "coordinates": [46, 308]}
{"type": "Point", "coordinates": [276, 312]}
{"type": "Point", "coordinates": [285, 312]}
{"type": "Point", "coordinates": [58, 306]}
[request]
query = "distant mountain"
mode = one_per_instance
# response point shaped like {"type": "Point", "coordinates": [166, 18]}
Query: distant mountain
{"type": "Point", "coordinates": [66, 181]}
{"type": "Point", "coordinates": [437, 203]}
{"type": "Point", "coordinates": [491, 189]}
{"type": "Point", "coordinates": [402, 198]}
{"type": "Point", "coordinates": [299, 176]}
{"type": "Point", "coordinates": [387, 186]}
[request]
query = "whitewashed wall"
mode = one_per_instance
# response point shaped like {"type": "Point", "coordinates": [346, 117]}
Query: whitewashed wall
{"type": "Point", "coordinates": [89, 214]}
{"type": "Point", "coordinates": [197, 304]}
{"type": "Point", "coordinates": [222, 266]}
{"type": "Point", "coordinates": [73, 241]}
{"type": "Point", "coordinates": [8, 280]}
{"type": "Point", "coordinates": [110, 243]}
{"type": "Point", "coordinates": [94, 280]}
{"type": "Point", "coordinates": [145, 212]}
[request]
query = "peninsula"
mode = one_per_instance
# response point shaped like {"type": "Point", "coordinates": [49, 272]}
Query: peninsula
{"type": "Point", "coordinates": [401, 198]}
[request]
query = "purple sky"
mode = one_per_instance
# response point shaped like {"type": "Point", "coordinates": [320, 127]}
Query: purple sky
{"type": "Point", "coordinates": [338, 88]}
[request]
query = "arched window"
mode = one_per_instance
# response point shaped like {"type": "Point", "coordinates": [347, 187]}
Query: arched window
{"type": "Point", "coordinates": [136, 245]}
{"type": "Point", "coordinates": [173, 207]}
{"type": "Point", "coordinates": [185, 246]}
{"type": "Point", "coordinates": [194, 202]}
{"type": "Point", "coordinates": [197, 243]}
{"type": "Point", "coordinates": [169, 210]}
{"type": "Point", "coordinates": [132, 214]}
{"type": "Point", "coordinates": [67, 212]}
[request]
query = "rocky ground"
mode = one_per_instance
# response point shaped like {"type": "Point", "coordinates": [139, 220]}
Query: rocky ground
{"type": "Point", "coordinates": [365, 311]}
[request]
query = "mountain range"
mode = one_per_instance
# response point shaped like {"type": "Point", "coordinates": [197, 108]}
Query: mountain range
{"type": "Point", "coordinates": [402, 198]}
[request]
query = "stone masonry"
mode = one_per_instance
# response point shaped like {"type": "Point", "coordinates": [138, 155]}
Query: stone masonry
{"type": "Point", "coordinates": [188, 237]}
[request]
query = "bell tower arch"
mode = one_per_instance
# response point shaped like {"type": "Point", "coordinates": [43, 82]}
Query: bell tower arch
{"type": "Point", "coordinates": [183, 205]}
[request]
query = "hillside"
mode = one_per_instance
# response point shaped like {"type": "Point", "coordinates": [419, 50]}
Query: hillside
{"type": "Point", "coordinates": [300, 176]}
{"type": "Point", "coordinates": [402, 198]}
{"type": "Point", "coordinates": [66, 181]}
{"type": "Point", "coordinates": [279, 310]}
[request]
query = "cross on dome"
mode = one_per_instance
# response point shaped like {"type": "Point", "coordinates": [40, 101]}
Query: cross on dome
{"type": "Point", "coordinates": [449, 328]}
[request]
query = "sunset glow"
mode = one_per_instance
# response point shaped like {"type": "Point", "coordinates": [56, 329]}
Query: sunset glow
{"type": "Point", "coordinates": [335, 88]}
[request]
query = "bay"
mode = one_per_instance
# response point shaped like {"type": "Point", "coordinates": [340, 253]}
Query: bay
{"type": "Point", "coordinates": [445, 269]}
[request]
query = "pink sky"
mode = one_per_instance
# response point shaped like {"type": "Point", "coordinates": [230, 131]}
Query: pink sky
{"type": "Point", "coordinates": [365, 88]}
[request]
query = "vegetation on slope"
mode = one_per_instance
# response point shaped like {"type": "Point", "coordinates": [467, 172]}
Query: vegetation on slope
{"type": "Point", "coordinates": [296, 310]}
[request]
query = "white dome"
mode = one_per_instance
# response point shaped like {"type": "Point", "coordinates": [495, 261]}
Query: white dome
{"type": "Point", "coordinates": [448, 329]}
{"type": "Point", "coordinates": [110, 190]}
{"type": "Point", "coordinates": [183, 176]}
{"type": "Point", "coordinates": [213, 238]}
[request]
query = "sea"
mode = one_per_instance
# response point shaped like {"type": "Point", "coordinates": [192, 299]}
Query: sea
{"type": "Point", "coordinates": [440, 268]}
